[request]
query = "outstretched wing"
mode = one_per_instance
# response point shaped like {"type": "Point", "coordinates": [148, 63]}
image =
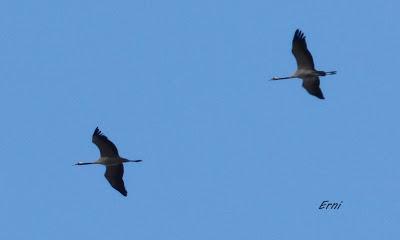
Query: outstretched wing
{"type": "Point", "coordinates": [114, 174]}
{"type": "Point", "coordinates": [311, 84]}
{"type": "Point", "coordinates": [106, 147]}
{"type": "Point", "coordinates": [303, 57]}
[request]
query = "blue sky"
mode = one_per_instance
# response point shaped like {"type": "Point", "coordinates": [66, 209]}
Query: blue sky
{"type": "Point", "coordinates": [184, 86]}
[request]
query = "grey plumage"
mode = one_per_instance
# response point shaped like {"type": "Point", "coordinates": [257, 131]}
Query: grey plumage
{"type": "Point", "coordinates": [110, 158]}
{"type": "Point", "coordinates": [305, 66]}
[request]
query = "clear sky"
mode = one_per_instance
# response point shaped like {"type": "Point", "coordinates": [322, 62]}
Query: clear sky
{"type": "Point", "coordinates": [184, 86]}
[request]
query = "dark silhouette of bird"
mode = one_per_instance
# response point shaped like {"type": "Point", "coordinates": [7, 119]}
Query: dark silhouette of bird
{"type": "Point", "coordinates": [110, 158]}
{"type": "Point", "coordinates": [305, 66]}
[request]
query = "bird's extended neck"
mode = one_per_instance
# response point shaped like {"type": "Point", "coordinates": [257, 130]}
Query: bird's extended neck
{"type": "Point", "coordinates": [282, 78]}
{"type": "Point", "coordinates": [84, 163]}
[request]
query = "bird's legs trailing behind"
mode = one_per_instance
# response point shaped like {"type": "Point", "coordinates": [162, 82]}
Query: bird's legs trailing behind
{"type": "Point", "coordinates": [322, 73]}
{"type": "Point", "coordinates": [126, 160]}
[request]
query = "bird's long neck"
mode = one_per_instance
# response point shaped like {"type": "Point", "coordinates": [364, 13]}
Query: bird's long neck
{"type": "Point", "coordinates": [85, 163]}
{"type": "Point", "coordinates": [282, 78]}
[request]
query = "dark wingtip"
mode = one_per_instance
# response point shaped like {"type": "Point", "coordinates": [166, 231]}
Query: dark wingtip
{"type": "Point", "coordinates": [298, 34]}
{"type": "Point", "coordinates": [97, 132]}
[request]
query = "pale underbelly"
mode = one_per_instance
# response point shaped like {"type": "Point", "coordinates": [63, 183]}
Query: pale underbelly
{"type": "Point", "coordinates": [109, 161]}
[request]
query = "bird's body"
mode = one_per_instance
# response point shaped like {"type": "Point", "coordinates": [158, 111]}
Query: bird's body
{"type": "Point", "coordinates": [107, 161]}
{"type": "Point", "coordinates": [110, 158]}
{"type": "Point", "coordinates": [305, 66]}
{"type": "Point", "coordinates": [110, 161]}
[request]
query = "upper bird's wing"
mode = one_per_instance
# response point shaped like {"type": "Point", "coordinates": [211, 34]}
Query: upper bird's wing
{"type": "Point", "coordinates": [106, 147]}
{"type": "Point", "coordinates": [311, 84]}
{"type": "Point", "coordinates": [114, 175]}
{"type": "Point", "coordinates": [303, 57]}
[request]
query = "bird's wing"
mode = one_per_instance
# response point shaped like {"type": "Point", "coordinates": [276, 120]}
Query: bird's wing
{"type": "Point", "coordinates": [303, 57]}
{"type": "Point", "coordinates": [106, 147]}
{"type": "Point", "coordinates": [311, 84]}
{"type": "Point", "coordinates": [114, 175]}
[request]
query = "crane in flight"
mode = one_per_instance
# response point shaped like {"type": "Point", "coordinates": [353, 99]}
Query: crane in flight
{"type": "Point", "coordinates": [110, 158]}
{"type": "Point", "coordinates": [305, 66]}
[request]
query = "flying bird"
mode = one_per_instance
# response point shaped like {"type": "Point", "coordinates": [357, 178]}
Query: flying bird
{"type": "Point", "coordinates": [110, 158]}
{"type": "Point", "coordinates": [305, 66]}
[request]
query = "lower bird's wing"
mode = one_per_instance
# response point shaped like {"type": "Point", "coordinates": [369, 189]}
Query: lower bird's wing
{"type": "Point", "coordinates": [114, 176]}
{"type": "Point", "coordinates": [311, 84]}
